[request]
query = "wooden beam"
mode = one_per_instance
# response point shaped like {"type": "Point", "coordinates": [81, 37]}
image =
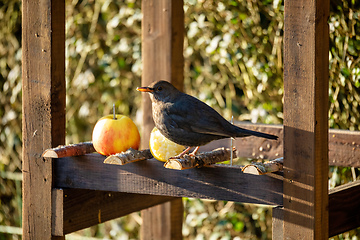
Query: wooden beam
{"type": "Point", "coordinates": [162, 55]}
{"type": "Point", "coordinates": [176, 218]}
{"type": "Point", "coordinates": [43, 97]}
{"type": "Point", "coordinates": [75, 209]}
{"type": "Point", "coordinates": [344, 148]}
{"type": "Point", "coordinates": [150, 177]}
{"type": "Point", "coordinates": [306, 84]}
{"type": "Point", "coordinates": [344, 208]}
{"type": "Point", "coordinates": [344, 145]}
{"type": "Point", "coordinates": [254, 147]}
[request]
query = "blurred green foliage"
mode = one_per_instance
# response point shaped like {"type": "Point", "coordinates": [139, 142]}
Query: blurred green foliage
{"type": "Point", "coordinates": [345, 65]}
{"type": "Point", "coordinates": [233, 57]}
{"type": "Point", "coordinates": [344, 85]}
{"type": "Point", "coordinates": [103, 62]}
{"type": "Point", "coordinates": [233, 61]}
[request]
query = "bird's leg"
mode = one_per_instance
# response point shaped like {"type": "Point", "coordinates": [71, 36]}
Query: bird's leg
{"type": "Point", "coordinates": [181, 154]}
{"type": "Point", "coordinates": [195, 151]}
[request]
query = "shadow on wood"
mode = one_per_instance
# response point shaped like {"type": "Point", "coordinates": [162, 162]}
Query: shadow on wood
{"type": "Point", "coordinates": [344, 208]}
{"type": "Point", "coordinates": [150, 177]}
{"type": "Point", "coordinates": [75, 209]}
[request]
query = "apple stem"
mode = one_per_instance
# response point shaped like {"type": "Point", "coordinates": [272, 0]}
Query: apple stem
{"type": "Point", "coordinates": [114, 111]}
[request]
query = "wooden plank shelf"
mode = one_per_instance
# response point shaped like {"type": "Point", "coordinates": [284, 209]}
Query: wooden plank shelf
{"type": "Point", "coordinates": [147, 183]}
{"type": "Point", "coordinates": [150, 177]}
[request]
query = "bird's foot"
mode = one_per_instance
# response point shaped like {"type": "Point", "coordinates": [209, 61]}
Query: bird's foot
{"type": "Point", "coordinates": [194, 152]}
{"type": "Point", "coordinates": [181, 154]}
{"type": "Point", "coordinates": [184, 152]}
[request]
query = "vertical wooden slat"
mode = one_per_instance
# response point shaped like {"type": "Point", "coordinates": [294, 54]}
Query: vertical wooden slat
{"type": "Point", "coordinates": [306, 119]}
{"type": "Point", "coordinates": [176, 218]}
{"type": "Point", "coordinates": [163, 221]}
{"type": "Point", "coordinates": [278, 223]}
{"type": "Point", "coordinates": [57, 218]}
{"type": "Point", "coordinates": [162, 53]}
{"type": "Point", "coordinates": [43, 123]}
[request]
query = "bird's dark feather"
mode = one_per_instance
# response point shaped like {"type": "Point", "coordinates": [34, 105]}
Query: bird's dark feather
{"type": "Point", "coordinates": [189, 121]}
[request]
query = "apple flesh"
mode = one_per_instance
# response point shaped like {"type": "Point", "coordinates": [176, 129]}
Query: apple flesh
{"type": "Point", "coordinates": [112, 136]}
{"type": "Point", "coordinates": [161, 147]}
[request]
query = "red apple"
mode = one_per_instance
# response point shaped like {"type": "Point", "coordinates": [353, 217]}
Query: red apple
{"type": "Point", "coordinates": [112, 136]}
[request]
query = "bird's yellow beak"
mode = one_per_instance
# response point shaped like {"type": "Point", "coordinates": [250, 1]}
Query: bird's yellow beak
{"type": "Point", "coordinates": [145, 89]}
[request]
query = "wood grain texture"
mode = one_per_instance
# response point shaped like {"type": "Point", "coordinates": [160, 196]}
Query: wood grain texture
{"type": "Point", "coordinates": [278, 223]}
{"type": "Point", "coordinates": [169, 214]}
{"type": "Point", "coordinates": [158, 222]}
{"type": "Point", "coordinates": [76, 209]}
{"type": "Point", "coordinates": [150, 177]}
{"type": "Point", "coordinates": [69, 150]}
{"type": "Point", "coordinates": [176, 218]}
{"type": "Point", "coordinates": [57, 212]}
{"type": "Point", "coordinates": [162, 51]}
{"type": "Point", "coordinates": [129, 156]}
{"type": "Point", "coordinates": [344, 148]}
{"type": "Point", "coordinates": [200, 160]}
{"type": "Point", "coordinates": [162, 55]}
{"type": "Point", "coordinates": [259, 168]}
{"type": "Point", "coordinates": [306, 119]}
{"type": "Point", "coordinates": [344, 208]}
{"type": "Point", "coordinates": [43, 97]}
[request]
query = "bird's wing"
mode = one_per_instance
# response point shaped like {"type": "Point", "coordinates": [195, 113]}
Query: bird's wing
{"type": "Point", "coordinates": [196, 116]}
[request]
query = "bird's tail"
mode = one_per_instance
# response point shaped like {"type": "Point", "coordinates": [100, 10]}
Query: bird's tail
{"type": "Point", "coordinates": [241, 132]}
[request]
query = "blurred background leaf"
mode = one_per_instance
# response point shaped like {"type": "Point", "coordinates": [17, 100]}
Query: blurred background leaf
{"type": "Point", "coordinates": [233, 62]}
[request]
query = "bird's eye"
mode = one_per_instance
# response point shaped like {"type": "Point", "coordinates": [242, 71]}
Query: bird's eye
{"type": "Point", "coordinates": [159, 88]}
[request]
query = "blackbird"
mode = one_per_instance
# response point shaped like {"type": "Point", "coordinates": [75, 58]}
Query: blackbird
{"type": "Point", "coordinates": [188, 121]}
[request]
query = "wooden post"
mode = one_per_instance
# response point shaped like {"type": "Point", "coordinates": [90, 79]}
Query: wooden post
{"type": "Point", "coordinates": [278, 223]}
{"type": "Point", "coordinates": [162, 53]}
{"type": "Point", "coordinates": [43, 123]}
{"type": "Point", "coordinates": [306, 67]}
{"type": "Point", "coordinates": [163, 221]}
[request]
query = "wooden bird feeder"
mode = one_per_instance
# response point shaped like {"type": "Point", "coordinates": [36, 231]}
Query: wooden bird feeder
{"type": "Point", "coordinates": [65, 194]}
